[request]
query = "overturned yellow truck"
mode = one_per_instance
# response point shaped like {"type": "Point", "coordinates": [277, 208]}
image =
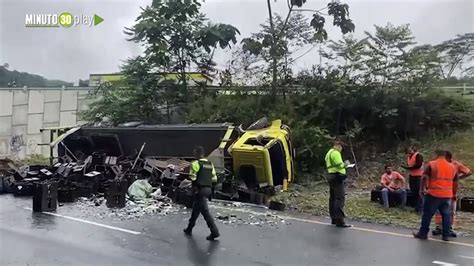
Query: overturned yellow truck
{"type": "Point", "coordinates": [259, 156]}
{"type": "Point", "coordinates": [264, 156]}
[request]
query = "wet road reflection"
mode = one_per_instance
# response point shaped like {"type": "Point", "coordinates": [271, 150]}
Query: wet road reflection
{"type": "Point", "coordinates": [202, 253]}
{"type": "Point", "coordinates": [43, 221]}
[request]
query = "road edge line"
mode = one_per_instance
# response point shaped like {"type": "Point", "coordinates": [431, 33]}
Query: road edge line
{"type": "Point", "coordinates": [90, 222]}
{"type": "Point", "coordinates": [286, 217]}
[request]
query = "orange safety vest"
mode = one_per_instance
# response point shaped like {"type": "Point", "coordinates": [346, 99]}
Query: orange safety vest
{"type": "Point", "coordinates": [411, 161]}
{"type": "Point", "coordinates": [441, 179]}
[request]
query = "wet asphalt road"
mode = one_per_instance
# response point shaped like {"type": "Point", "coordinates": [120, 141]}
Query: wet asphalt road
{"type": "Point", "coordinates": [28, 238]}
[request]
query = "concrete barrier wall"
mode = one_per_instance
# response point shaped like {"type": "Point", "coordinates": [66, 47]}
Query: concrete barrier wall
{"type": "Point", "coordinates": [24, 111]}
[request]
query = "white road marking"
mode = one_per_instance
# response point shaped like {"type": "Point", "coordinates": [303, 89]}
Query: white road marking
{"type": "Point", "coordinates": [352, 228]}
{"type": "Point", "coordinates": [92, 223]}
{"type": "Point", "coordinates": [443, 263]}
{"type": "Point", "coordinates": [466, 257]}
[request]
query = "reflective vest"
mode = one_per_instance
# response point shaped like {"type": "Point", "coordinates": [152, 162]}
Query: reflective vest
{"type": "Point", "coordinates": [204, 175]}
{"type": "Point", "coordinates": [334, 163]}
{"type": "Point", "coordinates": [411, 161]}
{"type": "Point", "coordinates": [441, 179]}
{"type": "Point", "coordinates": [461, 169]}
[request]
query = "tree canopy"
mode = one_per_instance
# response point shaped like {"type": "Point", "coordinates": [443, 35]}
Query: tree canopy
{"type": "Point", "coordinates": [19, 79]}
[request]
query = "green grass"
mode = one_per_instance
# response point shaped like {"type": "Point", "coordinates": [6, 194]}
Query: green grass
{"type": "Point", "coordinates": [313, 199]}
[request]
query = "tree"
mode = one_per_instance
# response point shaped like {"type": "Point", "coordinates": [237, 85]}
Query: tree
{"type": "Point", "coordinates": [456, 54]}
{"type": "Point", "coordinates": [246, 68]}
{"type": "Point", "coordinates": [386, 50]}
{"type": "Point", "coordinates": [13, 78]}
{"type": "Point", "coordinates": [297, 35]}
{"type": "Point", "coordinates": [350, 51]}
{"type": "Point", "coordinates": [388, 57]}
{"type": "Point", "coordinates": [177, 39]}
{"type": "Point", "coordinates": [276, 34]}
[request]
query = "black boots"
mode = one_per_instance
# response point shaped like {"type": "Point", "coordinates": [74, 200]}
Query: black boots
{"type": "Point", "coordinates": [340, 223]}
{"type": "Point", "coordinates": [438, 231]}
{"type": "Point", "coordinates": [420, 236]}
{"type": "Point", "coordinates": [343, 225]}
{"type": "Point", "coordinates": [212, 236]}
{"type": "Point", "coordinates": [188, 231]}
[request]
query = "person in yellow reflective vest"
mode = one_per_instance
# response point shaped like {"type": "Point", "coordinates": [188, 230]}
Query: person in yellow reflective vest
{"type": "Point", "coordinates": [336, 168]}
{"type": "Point", "coordinates": [204, 178]}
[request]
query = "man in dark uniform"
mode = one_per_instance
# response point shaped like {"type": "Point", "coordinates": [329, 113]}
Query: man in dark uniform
{"type": "Point", "coordinates": [203, 175]}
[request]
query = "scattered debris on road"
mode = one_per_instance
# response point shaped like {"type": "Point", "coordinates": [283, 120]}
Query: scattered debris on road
{"type": "Point", "coordinates": [95, 207]}
{"type": "Point", "coordinates": [242, 218]}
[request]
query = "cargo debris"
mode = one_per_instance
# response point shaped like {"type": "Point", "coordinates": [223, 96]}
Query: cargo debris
{"type": "Point", "coordinates": [121, 167]}
{"type": "Point", "coordinates": [265, 219]}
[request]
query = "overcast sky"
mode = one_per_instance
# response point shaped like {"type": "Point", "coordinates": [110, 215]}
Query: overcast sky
{"type": "Point", "coordinates": [73, 53]}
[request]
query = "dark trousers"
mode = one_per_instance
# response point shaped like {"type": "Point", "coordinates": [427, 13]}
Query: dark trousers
{"type": "Point", "coordinates": [337, 196]}
{"type": "Point", "coordinates": [200, 207]}
{"type": "Point", "coordinates": [415, 183]}
{"type": "Point", "coordinates": [430, 206]}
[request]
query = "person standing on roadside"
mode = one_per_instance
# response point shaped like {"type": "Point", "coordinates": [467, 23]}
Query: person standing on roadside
{"type": "Point", "coordinates": [415, 173]}
{"type": "Point", "coordinates": [461, 172]}
{"type": "Point", "coordinates": [336, 168]}
{"type": "Point", "coordinates": [437, 187]}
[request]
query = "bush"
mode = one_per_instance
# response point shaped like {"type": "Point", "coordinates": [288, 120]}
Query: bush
{"type": "Point", "coordinates": [381, 118]}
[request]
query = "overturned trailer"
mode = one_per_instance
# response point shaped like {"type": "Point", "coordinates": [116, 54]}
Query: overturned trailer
{"type": "Point", "coordinates": [261, 156]}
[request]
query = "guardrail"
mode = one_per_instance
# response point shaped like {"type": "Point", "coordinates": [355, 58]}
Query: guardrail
{"type": "Point", "coordinates": [464, 89]}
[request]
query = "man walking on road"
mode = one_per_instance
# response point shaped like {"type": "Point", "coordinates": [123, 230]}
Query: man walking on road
{"type": "Point", "coordinates": [415, 173]}
{"type": "Point", "coordinates": [437, 184]}
{"type": "Point", "coordinates": [336, 177]}
{"type": "Point", "coordinates": [203, 175]}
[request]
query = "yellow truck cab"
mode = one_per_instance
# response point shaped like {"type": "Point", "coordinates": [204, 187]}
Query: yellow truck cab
{"type": "Point", "coordinates": [264, 156]}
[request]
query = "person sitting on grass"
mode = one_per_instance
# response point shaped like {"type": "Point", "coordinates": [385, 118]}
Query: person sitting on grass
{"type": "Point", "coordinates": [393, 184]}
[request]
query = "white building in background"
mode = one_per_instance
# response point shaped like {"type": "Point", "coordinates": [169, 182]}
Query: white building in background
{"type": "Point", "coordinates": [24, 111]}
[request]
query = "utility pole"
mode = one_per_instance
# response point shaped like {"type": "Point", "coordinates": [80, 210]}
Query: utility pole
{"type": "Point", "coordinates": [273, 49]}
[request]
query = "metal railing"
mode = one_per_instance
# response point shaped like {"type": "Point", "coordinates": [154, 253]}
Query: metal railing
{"type": "Point", "coordinates": [463, 89]}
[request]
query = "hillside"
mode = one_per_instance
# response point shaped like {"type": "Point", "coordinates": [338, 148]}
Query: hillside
{"type": "Point", "coordinates": [25, 79]}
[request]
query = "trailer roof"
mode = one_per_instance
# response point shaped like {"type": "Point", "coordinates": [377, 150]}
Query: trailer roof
{"type": "Point", "coordinates": [214, 126]}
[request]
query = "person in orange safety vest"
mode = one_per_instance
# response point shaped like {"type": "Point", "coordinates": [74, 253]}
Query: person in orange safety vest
{"type": "Point", "coordinates": [437, 188]}
{"type": "Point", "coordinates": [415, 173]}
{"type": "Point", "coordinates": [461, 172]}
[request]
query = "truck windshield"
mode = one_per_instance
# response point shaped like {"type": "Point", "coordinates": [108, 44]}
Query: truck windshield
{"type": "Point", "coordinates": [277, 160]}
